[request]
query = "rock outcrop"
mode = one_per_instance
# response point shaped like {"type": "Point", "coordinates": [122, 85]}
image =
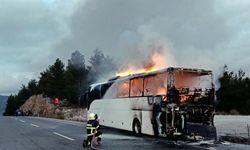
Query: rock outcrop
{"type": "Point", "coordinates": [38, 105]}
{"type": "Point", "coordinates": [41, 106]}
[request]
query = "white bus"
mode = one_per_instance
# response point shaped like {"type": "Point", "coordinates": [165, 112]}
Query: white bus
{"type": "Point", "coordinates": [173, 102]}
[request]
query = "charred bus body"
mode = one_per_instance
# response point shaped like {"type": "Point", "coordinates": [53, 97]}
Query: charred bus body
{"type": "Point", "coordinates": [173, 102]}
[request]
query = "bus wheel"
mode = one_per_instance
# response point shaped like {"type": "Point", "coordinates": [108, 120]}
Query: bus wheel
{"type": "Point", "coordinates": [137, 127]}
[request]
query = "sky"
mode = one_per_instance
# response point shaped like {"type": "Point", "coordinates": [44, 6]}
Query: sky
{"type": "Point", "coordinates": [200, 34]}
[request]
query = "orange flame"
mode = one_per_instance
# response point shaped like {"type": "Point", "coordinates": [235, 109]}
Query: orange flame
{"type": "Point", "coordinates": [184, 98]}
{"type": "Point", "coordinates": [156, 62]}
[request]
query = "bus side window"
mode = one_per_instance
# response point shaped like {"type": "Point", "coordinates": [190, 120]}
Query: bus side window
{"type": "Point", "coordinates": [136, 88]}
{"type": "Point", "coordinates": [95, 93]}
{"type": "Point", "coordinates": [149, 86]}
{"type": "Point", "coordinates": [155, 85]}
{"type": "Point", "coordinates": [123, 89]}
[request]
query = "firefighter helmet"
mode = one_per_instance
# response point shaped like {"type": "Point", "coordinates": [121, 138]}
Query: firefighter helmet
{"type": "Point", "coordinates": [91, 116]}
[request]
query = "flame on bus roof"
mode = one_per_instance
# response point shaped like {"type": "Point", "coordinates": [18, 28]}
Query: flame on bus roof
{"type": "Point", "coordinates": [156, 62]}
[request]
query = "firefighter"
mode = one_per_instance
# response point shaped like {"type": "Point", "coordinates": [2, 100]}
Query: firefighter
{"type": "Point", "coordinates": [93, 129]}
{"type": "Point", "coordinates": [98, 130]}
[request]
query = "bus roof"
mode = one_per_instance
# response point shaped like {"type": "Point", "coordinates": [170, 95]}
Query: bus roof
{"type": "Point", "coordinates": [169, 69]}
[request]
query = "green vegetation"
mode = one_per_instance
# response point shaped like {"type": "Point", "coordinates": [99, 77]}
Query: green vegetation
{"type": "Point", "coordinates": [233, 93]}
{"type": "Point", "coordinates": [64, 82]}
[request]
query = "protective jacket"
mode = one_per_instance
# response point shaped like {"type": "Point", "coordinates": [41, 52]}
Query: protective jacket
{"type": "Point", "coordinates": [92, 127]}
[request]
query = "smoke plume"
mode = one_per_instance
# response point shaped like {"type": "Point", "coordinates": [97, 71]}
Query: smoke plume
{"type": "Point", "coordinates": [130, 31]}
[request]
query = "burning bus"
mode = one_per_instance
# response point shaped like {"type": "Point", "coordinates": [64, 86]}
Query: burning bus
{"type": "Point", "coordinates": [172, 102]}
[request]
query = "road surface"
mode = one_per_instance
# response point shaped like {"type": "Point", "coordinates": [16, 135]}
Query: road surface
{"type": "Point", "coordinates": [31, 133]}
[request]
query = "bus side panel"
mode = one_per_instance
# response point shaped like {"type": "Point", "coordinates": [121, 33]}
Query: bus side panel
{"type": "Point", "coordinates": [146, 109]}
{"type": "Point", "coordinates": [120, 113]}
{"type": "Point", "coordinates": [147, 127]}
{"type": "Point", "coordinates": [114, 113]}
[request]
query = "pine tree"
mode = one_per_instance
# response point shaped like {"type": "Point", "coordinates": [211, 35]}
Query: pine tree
{"type": "Point", "coordinates": [75, 77]}
{"type": "Point", "coordinates": [22, 96]}
{"type": "Point", "coordinates": [233, 93]}
{"type": "Point", "coordinates": [11, 106]}
{"type": "Point", "coordinates": [101, 65]}
{"type": "Point", "coordinates": [32, 87]}
{"type": "Point", "coordinates": [52, 81]}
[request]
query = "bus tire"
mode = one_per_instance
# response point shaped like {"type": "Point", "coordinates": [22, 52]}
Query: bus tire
{"type": "Point", "coordinates": [137, 127]}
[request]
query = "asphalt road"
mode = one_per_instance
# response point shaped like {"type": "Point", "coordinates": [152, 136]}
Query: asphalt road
{"type": "Point", "coordinates": [31, 133]}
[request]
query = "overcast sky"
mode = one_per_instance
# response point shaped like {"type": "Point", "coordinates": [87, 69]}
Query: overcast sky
{"type": "Point", "coordinates": [192, 33]}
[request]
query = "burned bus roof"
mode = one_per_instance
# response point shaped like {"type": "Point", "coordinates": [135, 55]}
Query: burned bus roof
{"type": "Point", "coordinates": [202, 71]}
{"type": "Point", "coordinates": [169, 69]}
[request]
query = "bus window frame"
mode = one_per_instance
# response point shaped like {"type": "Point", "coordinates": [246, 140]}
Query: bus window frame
{"type": "Point", "coordinates": [129, 80]}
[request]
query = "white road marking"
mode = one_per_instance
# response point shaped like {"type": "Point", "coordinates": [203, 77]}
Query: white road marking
{"type": "Point", "coordinates": [34, 125]}
{"type": "Point", "coordinates": [22, 120]}
{"type": "Point", "coordinates": [63, 136]}
{"type": "Point", "coordinates": [74, 123]}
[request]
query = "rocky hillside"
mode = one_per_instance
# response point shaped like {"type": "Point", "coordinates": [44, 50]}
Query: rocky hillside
{"type": "Point", "coordinates": [38, 105]}
{"type": "Point", "coordinates": [41, 106]}
{"type": "Point", "coordinates": [3, 101]}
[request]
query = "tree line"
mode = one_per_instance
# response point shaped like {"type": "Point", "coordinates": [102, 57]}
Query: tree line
{"type": "Point", "coordinates": [234, 92]}
{"type": "Point", "coordinates": [64, 82]}
{"type": "Point", "coordinates": [71, 81]}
